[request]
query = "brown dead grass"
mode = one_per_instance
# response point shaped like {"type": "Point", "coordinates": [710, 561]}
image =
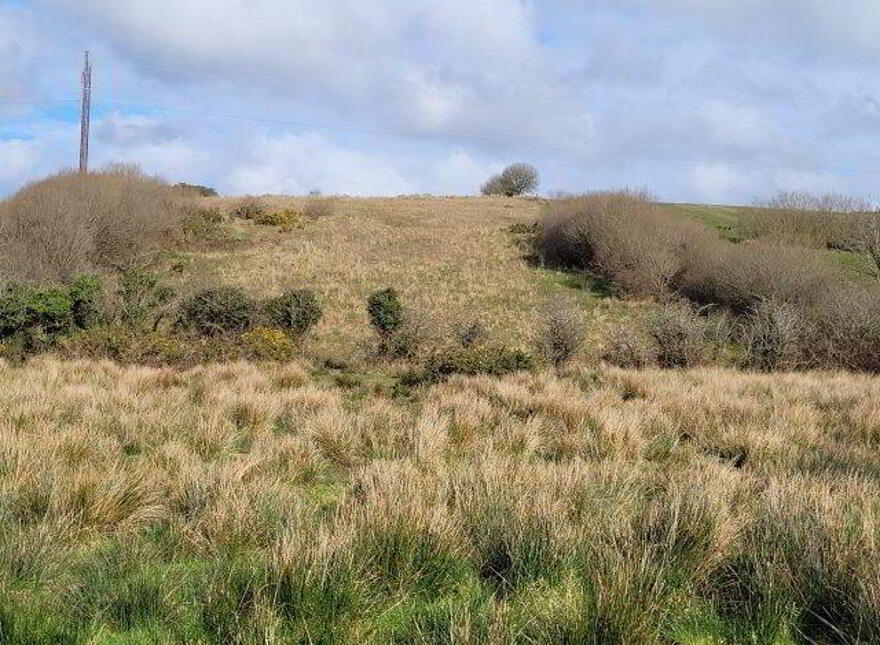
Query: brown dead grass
{"type": "Point", "coordinates": [451, 256]}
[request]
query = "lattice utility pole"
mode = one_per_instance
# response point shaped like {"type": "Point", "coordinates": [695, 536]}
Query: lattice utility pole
{"type": "Point", "coordinates": [85, 115]}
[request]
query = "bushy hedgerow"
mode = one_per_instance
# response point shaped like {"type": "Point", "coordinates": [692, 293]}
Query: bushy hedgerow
{"type": "Point", "coordinates": [295, 311]}
{"type": "Point", "coordinates": [642, 251]}
{"type": "Point", "coordinates": [76, 223]}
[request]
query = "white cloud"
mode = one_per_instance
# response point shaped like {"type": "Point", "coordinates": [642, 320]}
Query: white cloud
{"type": "Point", "coordinates": [19, 159]}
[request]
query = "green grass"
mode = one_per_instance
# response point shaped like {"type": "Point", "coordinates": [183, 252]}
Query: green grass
{"type": "Point", "coordinates": [724, 219]}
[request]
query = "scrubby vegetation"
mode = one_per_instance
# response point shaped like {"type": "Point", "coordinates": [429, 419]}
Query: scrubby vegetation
{"type": "Point", "coordinates": [645, 252]}
{"type": "Point", "coordinates": [400, 423]}
{"type": "Point", "coordinates": [72, 224]}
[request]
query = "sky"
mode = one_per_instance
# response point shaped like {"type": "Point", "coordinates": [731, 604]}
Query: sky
{"type": "Point", "coordinates": [711, 101]}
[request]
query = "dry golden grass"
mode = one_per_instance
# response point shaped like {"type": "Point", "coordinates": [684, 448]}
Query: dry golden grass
{"type": "Point", "coordinates": [277, 503]}
{"type": "Point", "coordinates": [612, 506]}
{"type": "Point", "coordinates": [450, 256]}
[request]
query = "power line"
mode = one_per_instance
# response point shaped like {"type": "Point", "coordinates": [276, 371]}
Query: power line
{"type": "Point", "coordinates": [633, 150]}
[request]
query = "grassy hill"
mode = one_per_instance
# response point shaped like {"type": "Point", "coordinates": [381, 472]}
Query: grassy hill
{"type": "Point", "coordinates": [317, 499]}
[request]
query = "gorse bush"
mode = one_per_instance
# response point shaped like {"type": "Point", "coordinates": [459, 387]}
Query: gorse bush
{"type": "Point", "coordinates": [516, 179]}
{"type": "Point", "coordinates": [295, 311]}
{"type": "Point", "coordinates": [492, 360]}
{"type": "Point", "coordinates": [385, 311]}
{"type": "Point", "coordinates": [218, 310]}
{"type": "Point", "coordinates": [49, 310]}
{"type": "Point", "coordinates": [142, 299]}
{"type": "Point", "coordinates": [269, 344]}
{"type": "Point", "coordinates": [195, 189]}
{"type": "Point", "coordinates": [73, 223]}
{"type": "Point", "coordinates": [284, 219]}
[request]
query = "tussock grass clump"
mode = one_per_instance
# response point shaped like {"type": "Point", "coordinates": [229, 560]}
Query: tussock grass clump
{"type": "Point", "coordinates": [73, 223]}
{"type": "Point", "coordinates": [248, 503]}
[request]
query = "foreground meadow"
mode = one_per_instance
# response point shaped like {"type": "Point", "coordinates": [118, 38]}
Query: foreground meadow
{"type": "Point", "coordinates": [332, 420]}
{"type": "Point", "coordinates": [262, 504]}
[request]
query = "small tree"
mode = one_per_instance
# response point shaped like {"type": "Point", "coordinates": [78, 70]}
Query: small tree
{"type": "Point", "coordinates": [516, 179]}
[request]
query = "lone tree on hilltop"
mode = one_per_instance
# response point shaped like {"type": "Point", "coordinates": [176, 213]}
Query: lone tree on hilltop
{"type": "Point", "coordinates": [516, 179]}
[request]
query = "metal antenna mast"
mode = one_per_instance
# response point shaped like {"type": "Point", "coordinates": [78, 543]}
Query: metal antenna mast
{"type": "Point", "coordinates": [85, 115]}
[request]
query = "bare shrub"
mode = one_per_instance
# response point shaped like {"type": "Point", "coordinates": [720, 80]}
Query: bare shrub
{"type": "Point", "coordinates": [560, 334]}
{"type": "Point", "coordinates": [517, 179]}
{"type": "Point", "coordinates": [843, 329]}
{"type": "Point", "coordinates": [470, 333]}
{"type": "Point", "coordinates": [74, 223]}
{"type": "Point", "coordinates": [621, 235]}
{"type": "Point", "coordinates": [249, 208]}
{"type": "Point", "coordinates": [818, 221]}
{"type": "Point", "coordinates": [772, 337]}
{"type": "Point", "coordinates": [742, 276]}
{"type": "Point", "coordinates": [868, 240]}
{"type": "Point", "coordinates": [627, 345]}
{"type": "Point", "coordinates": [679, 335]}
{"type": "Point", "coordinates": [318, 207]}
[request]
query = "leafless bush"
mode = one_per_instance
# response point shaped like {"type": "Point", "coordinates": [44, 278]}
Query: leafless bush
{"type": "Point", "coordinates": [621, 235]}
{"type": "Point", "coordinates": [772, 337]}
{"type": "Point", "coordinates": [516, 179]}
{"type": "Point", "coordinates": [679, 335]}
{"type": "Point", "coordinates": [318, 207]}
{"type": "Point", "coordinates": [826, 221]}
{"type": "Point", "coordinates": [249, 208]}
{"type": "Point", "coordinates": [741, 276]}
{"type": "Point", "coordinates": [560, 334]}
{"type": "Point", "coordinates": [75, 223]}
{"type": "Point", "coordinates": [470, 333]}
{"type": "Point", "coordinates": [868, 240]}
{"type": "Point", "coordinates": [843, 329]}
{"type": "Point", "coordinates": [627, 345]}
